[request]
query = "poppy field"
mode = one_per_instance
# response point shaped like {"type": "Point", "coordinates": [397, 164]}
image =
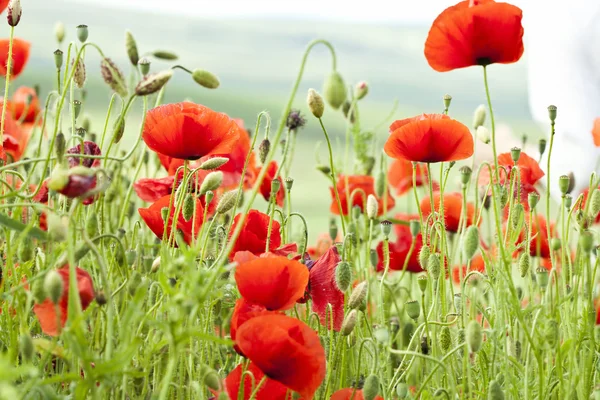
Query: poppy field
{"type": "Point", "coordinates": [161, 257]}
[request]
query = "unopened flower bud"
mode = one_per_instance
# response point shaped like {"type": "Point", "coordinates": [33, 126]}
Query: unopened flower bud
{"type": "Point", "coordinates": [386, 228]}
{"type": "Point", "coordinates": [316, 105]}
{"type": "Point", "coordinates": [552, 113]}
{"type": "Point", "coordinates": [371, 387]}
{"type": "Point", "coordinates": [349, 323]}
{"type": "Point", "coordinates": [118, 129]}
{"type": "Point", "coordinates": [25, 251]}
{"type": "Point", "coordinates": [422, 281]}
{"type": "Point", "coordinates": [360, 90]}
{"type": "Point", "coordinates": [82, 33]}
{"type": "Point", "coordinates": [516, 216]}
{"type": "Point", "coordinates": [524, 264]}
{"type": "Point", "coordinates": [14, 12]}
{"type": "Point", "coordinates": [474, 336]}
{"type": "Point", "coordinates": [458, 302]}
{"type": "Point", "coordinates": [343, 275]}
{"type": "Point", "coordinates": [263, 150]}
{"type": "Point", "coordinates": [333, 230]}
{"type": "Point", "coordinates": [334, 90]}
{"type": "Point", "coordinates": [212, 181]}
{"type": "Point", "coordinates": [413, 309]}
{"type": "Point", "coordinates": [447, 100]}
{"type": "Point", "coordinates": [188, 207]}
{"type": "Point", "coordinates": [495, 391]}
{"type": "Point", "coordinates": [595, 203]}
{"type": "Point", "coordinates": [415, 227]}
{"type": "Point", "coordinates": [586, 240]}
{"type": "Point", "coordinates": [208, 197]}
{"type": "Point", "coordinates": [153, 83]}
{"type": "Point", "coordinates": [373, 258]}
{"type": "Point", "coordinates": [515, 154]}
{"type": "Point", "coordinates": [155, 265]}
{"type": "Point", "coordinates": [555, 244]}
{"type": "Point", "coordinates": [79, 75]}
{"type": "Point", "coordinates": [434, 266]}
{"type": "Point", "coordinates": [26, 347]}
{"type": "Point", "coordinates": [479, 116]}
{"type": "Point", "coordinates": [424, 256]}
{"type": "Point", "coordinates": [372, 207]}
{"type": "Point", "coordinates": [482, 133]}
{"type": "Point", "coordinates": [532, 200]}
{"type": "Point", "coordinates": [132, 49]}
{"type": "Point", "coordinates": [358, 295]}
{"type": "Point", "coordinates": [205, 79]}
{"type": "Point", "coordinates": [165, 55]}
{"type": "Point", "coordinates": [58, 58]}
{"type": "Point", "coordinates": [542, 147]}
{"type": "Point", "coordinates": [59, 32]}
{"type": "Point", "coordinates": [38, 289]}
{"type": "Point", "coordinates": [541, 277]}
{"type": "Point", "coordinates": [402, 390]}
{"type": "Point", "coordinates": [227, 201]}
{"type": "Point", "coordinates": [113, 77]}
{"type": "Point", "coordinates": [214, 163]}
{"type": "Point", "coordinates": [445, 338]}
{"type": "Point", "coordinates": [210, 377]}
{"type": "Point", "coordinates": [54, 286]}
{"type": "Point", "coordinates": [100, 298]}
{"type": "Point", "coordinates": [144, 64]}
{"type": "Point", "coordinates": [465, 174]}
{"type": "Point", "coordinates": [471, 243]}
{"type": "Point", "coordinates": [57, 227]}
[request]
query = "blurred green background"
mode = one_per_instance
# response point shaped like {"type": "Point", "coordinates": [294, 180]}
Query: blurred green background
{"type": "Point", "coordinates": [257, 62]}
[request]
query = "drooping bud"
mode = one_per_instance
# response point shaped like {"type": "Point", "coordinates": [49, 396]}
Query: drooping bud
{"type": "Point", "coordinates": [474, 336]}
{"type": "Point", "coordinates": [515, 154]}
{"type": "Point", "coordinates": [343, 275]}
{"type": "Point", "coordinates": [413, 309]}
{"type": "Point", "coordinates": [118, 130]}
{"type": "Point", "coordinates": [132, 49]}
{"type": "Point", "coordinates": [79, 75]}
{"type": "Point", "coordinates": [38, 289]}
{"type": "Point", "coordinates": [424, 256]}
{"type": "Point", "coordinates": [482, 133]}
{"type": "Point", "coordinates": [165, 55]}
{"type": "Point", "coordinates": [479, 116]}
{"type": "Point", "coordinates": [59, 32]}
{"type": "Point", "coordinates": [586, 240]}
{"type": "Point", "coordinates": [334, 90]}
{"type": "Point", "coordinates": [358, 295]}
{"type": "Point", "coordinates": [595, 203]}
{"type": "Point", "coordinates": [415, 227]}
{"type": "Point", "coordinates": [555, 244]}
{"type": "Point", "coordinates": [372, 207]}
{"type": "Point", "coordinates": [349, 323]}
{"type": "Point", "coordinates": [386, 228]}
{"type": "Point", "coordinates": [315, 102]}
{"type": "Point", "coordinates": [213, 163]}
{"type": "Point", "coordinates": [471, 243]}
{"type": "Point", "coordinates": [210, 377]}
{"type": "Point", "coordinates": [434, 266]}
{"type": "Point", "coordinates": [263, 150]}
{"type": "Point", "coordinates": [14, 12]}
{"type": "Point", "coordinates": [371, 387]}
{"type": "Point", "coordinates": [82, 33]}
{"type": "Point", "coordinates": [516, 217]}
{"type": "Point", "coordinates": [552, 113]}
{"type": "Point", "coordinates": [153, 83]}
{"type": "Point", "coordinates": [144, 64]}
{"type": "Point", "coordinates": [54, 286]}
{"type": "Point", "coordinates": [524, 265]}
{"type": "Point", "coordinates": [227, 201]}
{"type": "Point", "coordinates": [205, 79]}
{"type": "Point", "coordinates": [465, 174]}
{"type": "Point", "coordinates": [360, 90]}
{"type": "Point", "coordinates": [532, 200]}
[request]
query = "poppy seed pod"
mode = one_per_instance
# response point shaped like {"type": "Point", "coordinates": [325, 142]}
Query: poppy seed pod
{"type": "Point", "coordinates": [568, 201]}
{"type": "Point", "coordinates": [372, 207]}
{"type": "Point", "coordinates": [144, 64]}
{"type": "Point", "coordinates": [205, 79]}
{"type": "Point", "coordinates": [58, 58]}
{"type": "Point", "coordinates": [289, 182]}
{"type": "Point", "coordinates": [433, 265]}
{"type": "Point", "coordinates": [334, 90]}
{"type": "Point", "coordinates": [483, 134]}
{"type": "Point", "coordinates": [413, 309]}
{"type": "Point", "coordinates": [445, 338]}
{"type": "Point", "coordinates": [422, 281]}
{"type": "Point", "coordinates": [59, 32]}
{"type": "Point", "coordinates": [424, 256]}
{"type": "Point", "coordinates": [358, 295]}
{"type": "Point", "coordinates": [76, 111]}
{"type": "Point", "coordinates": [447, 100]}
{"type": "Point", "coordinates": [315, 102]}
{"type": "Point", "coordinates": [82, 33]}
{"type": "Point", "coordinates": [263, 150]}
{"type": "Point", "coordinates": [153, 83]}
{"type": "Point", "coordinates": [54, 285]}
{"type": "Point", "coordinates": [495, 391]}
{"type": "Point", "coordinates": [343, 276]}
{"type": "Point", "coordinates": [371, 387]}
{"type": "Point", "coordinates": [349, 323]}
{"type": "Point", "coordinates": [360, 90]}
{"type": "Point", "coordinates": [471, 243]}
{"type": "Point", "coordinates": [213, 163]}
{"type": "Point", "coordinates": [415, 227]}
{"type": "Point", "coordinates": [386, 228]}
{"type": "Point", "coordinates": [524, 264]}
{"type": "Point", "coordinates": [595, 203]}
{"type": "Point", "coordinates": [563, 184]}
{"type": "Point", "coordinates": [465, 174]}
{"type": "Point", "coordinates": [227, 201]}
{"type": "Point", "coordinates": [515, 154]}
{"type": "Point", "coordinates": [541, 277]}
{"type": "Point", "coordinates": [552, 113]}
{"type": "Point", "coordinates": [533, 198]}
{"type": "Point", "coordinates": [474, 336]}
{"type": "Point", "coordinates": [479, 116]}
{"type": "Point", "coordinates": [132, 49]}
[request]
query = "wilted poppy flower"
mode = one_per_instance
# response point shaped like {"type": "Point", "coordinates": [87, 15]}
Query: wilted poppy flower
{"type": "Point", "coordinates": [475, 32]}
{"type": "Point", "coordinates": [286, 350]}
{"type": "Point", "coordinates": [324, 291]}
{"type": "Point", "coordinates": [269, 390]}
{"type": "Point", "coordinates": [152, 216]}
{"type": "Point", "coordinates": [20, 56]}
{"type": "Point", "coordinates": [265, 187]}
{"type": "Point", "coordinates": [253, 237]}
{"type": "Point", "coordinates": [86, 148]}
{"type": "Point", "coordinates": [400, 248]}
{"type": "Point", "coordinates": [539, 245]}
{"type": "Point", "coordinates": [452, 209]}
{"type": "Point", "coordinates": [351, 394]}
{"type": "Point", "coordinates": [25, 104]}
{"type": "Point", "coordinates": [353, 193]}
{"type": "Point", "coordinates": [15, 138]}
{"type": "Point", "coordinates": [429, 138]}
{"type": "Point", "coordinates": [274, 282]}
{"type": "Point", "coordinates": [75, 182]}
{"type": "Point", "coordinates": [400, 176]}
{"type": "Point", "coordinates": [189, 131]}
{"type": "Point", "coordinates": [46, 312]}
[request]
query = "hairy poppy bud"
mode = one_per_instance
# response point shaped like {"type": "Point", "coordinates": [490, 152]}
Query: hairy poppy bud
{"type": "Point", "coordinates": [424, 256]}
{"type": "Point", "coordinates": [210, 377]}
{"type": "Point", "coordinates": [38, 289]}
{"type": "Point", "coordinates": [118, 130]}
{"type": "Point", "coordinates": [144, 64]}
{"type": "Point", "coordinates": [58, 58]}
{"type": "Point", "coordinates": [502, 195]}
{"type": "Point", "coordinates": [413, 309]}
{"type": "Point", "coordinates": [333, 230]}
{"type": "Point", "coordinates": [474, 336]}
{"type": "Point", "coordinates": [541, 277]}
{"type": "Point", "coordinates": [26, 347]}
{"type": "Point", "coordinates": [57, 227]}
{"type": "Point", "coordinates": [79, 75]}
{"type": "Point", "coordinates": [471, 243]}
{"type": "Point", "coordinates": [495, 391]}
{"type": "Point", "coordinates": [402, 390]}
{"type": "Point", "coordinates": [59, 31]}
{"type": "Point", "coordinates": [132, 49]}
{"type": "Point", "coordinates": [595, 203]}
{"type": "Point", "coordinates": [586, 240]}
{"type": "Point", "coordinates": [227, 201]}
{"type": "Point", "coordinates": [422, 281]}
{"type": "Point", "coordinates": [349, 323]}
{"type": "Point", "coordinates": [482, 133]}
{"type": "Point", "coordinates": [263, 150]}
{"type": "Point", "coordinates": [433, 265]}
{"type": "Point", "coordinates": [515, 154]}
{"type": "Point", "coordinates": [40, 260]}
{"type": "Point", "coordinates": [465, 174]}
{"type": "Point", "coordinates": [155, 265]}
{"type": "Point", "coordinates": [524, 264]}
{"type": "Point", "coordinates": [479, 116]}
{"type": "Point", "coordinates": [563, 184]}
{"type": "Point", "coordinates": [445, 338]}
{"type": "Point", "coordinates": [212, 182]}
{"type": "Point", "coordinates": [165, 55]}
{"type": "Point", "coordinates": [54, 286]}
{"type": "Point", "coordinates": [335, 90]}
{"type": "Point", "coordinates": [208, 197]}
{"type": "Point", "coordinates": [552, 113]}
{"type": "Point", "coordinates": [343, 275]}
{"type": "Point", "coordinates": [82, 33]}
{"type": "Point", "coordinates": [213, 163]}
{"type": "Point", "coordinates": [424, 345]}
{"type": "Point", "coordinates": [358, 295]}
{"type": "Point", "coordinates": [372, 207]}
{"type": "Point", "coordinates": [205, 79]}
{"type": "Point", "coordinates": [371, 387]}
{"type": "Point", "coordinates": [386, 228]}
{"type": "Point", "coordinates": [315, 103]}
{"type": "Point", "coordinates": [25, 251]}
{"type": "Point", "coordinates": [360, 90]}
{"type": "Point", "coordinates": [516, 217]}
{"type": "Point", "coordinates": [373, 258]}
{"type": "Point", "coordinates": [188, 207]}
{"type": "Point", "coordinates": [153, 83]}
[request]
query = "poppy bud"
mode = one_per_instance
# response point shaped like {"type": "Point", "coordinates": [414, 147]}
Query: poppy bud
{"type": "Point", "coordinates": [563, 184]}
{"type": "Point", "coordinates": [515, 154]}
{"type": "Point", "coordinates": [413, 309]}
{"type": "Point", "coordinates": [100, 298]}
{"type": "Point", "coordinates": [347, 113]}
{"type": "Point", "coordinates": [82, 33]}
{"type": "Point", "coordinates": [471, 243]}
{"type": "Point", "coordinates": [132, 49]}
{"type": "Point", "coordinates": [424, 256]}
{"type": "Point", "coordinates": [164, 213]}
{"type": "Point", "coordinates": [433, 265]}
{"type": "Point", "coordinates": [210, 377]}
{"type": "Point", "coordinates": [40, 260]}
{"type": "Point", "coordinates": [479, 116]}
{"type": "Point", "coordinates": [524, 264]}
{"type": "Point", "coordinates": [227, 201]}
{"type": "Point", "coordinates": [386, 228]}
{"type": "Point", "coordinates": [79, 74]}
{"type": "Point", "coordinates": [324, 169]}
{"type": "Point", "coordinates": [333, 230]}
{"type": "Point", "coordinates": [76, 111]}
{"type": "Point", "coordinates": [447, 100]}
{"type": "Point", "coordinates": [315, 103]}
{"type": "Point", "coordinates": [289, 182]}
{"type": "Point", "coordinates": [371, 387]}
{"type": "Point", "coordinates": [422, 281]}
{"type": "Point", "coordinates": [165, 55]}
{"type": "Point", "coordinates": [205, 79]}
{"type": "Point", "coordinates": [402, 390]}
{"type": "Point", "coordinates": [155, 265]}
{"type": "Point", "coordinates": [144, 64]}
{"type": "Point", "coordinates": [349, 323]}
{"type": "Point", "coordinates": [25, 251]}
{"type": "Point", "coordinates": [214, 163]}
{"type": "Point", "coordinates": [380, 184]}
{"type": "Point", "coordinates": [542, 147]}
{"type": "Point", "coordinates": [118, 129]}
{"type": "Point", "coordinates": [54, 286]}
{"type": "Point", "coordinates": [59, 178]}
{"type": "Point", "coordinates": [595, 203]}
{"type": "Point", "coordinates": [14, 12]}
{"type": "Point", "coordinates": [502, 195]}
{"type": "Point", "coordinates": [113, 76]}
{"type": "Point", "coordinates": [153, 83]}
{"type": "Point", "coordinates": [586, 240]}
{"type": "Point", "coordinates": [374, 258]}
{"type": "Point", "coordinates": [212, 182]}
{"type": "Point", "coordinates": [482, 133]}
{"type": "Point", "coordinates": [552, 113]}
{"type": "Point", "coordinates": [552, 333]}
{"type": "Point", "coordinates": [445, 338]}
{"type": "Point", "coordinates": [372, 207]}
{"type": "Point", "coordinates": [568, 201]}
{"type": "Point", "coordinates": [334, 90]}
{"type": "Point", "coordinates": [263, 150]}
{"type": "Point", "coordinates": [208, 197]}
{"type": "Point", "coordinates": [474, 336]}
{"type": "Point", "coordinates": [59, 31]}
{"type": "Point", "coordinates": [555, 244]}
{"type": "Point", "coordinates": [360, 90]}
{"type": "Point", "coordinates": [532, 199]}
{"type": "Point", "coordinates": [465, 174]}
{"type": "Point", "coordinates": [130, 256]}
{"type": "Point", "coordinates": [188, 207]}
{"type": "Point", "coordinates": [541, 277]}
{"type": "Point", "coordinates": [58, 58]}
{"type": "Point", "coordinates": [343, 276]}
{"type": "Point", "coordinates": [26, 347]}
{"type": "Point", "coordinates": [358, 295]}
{"type": "Point", "coordinates": [495, 391]}
{"type": "Point", "coordinates": [57, 227]}
{"type": "Point", "coordinates": [458, 302]}
{"type": "Point", "coordinates": [38, 289]}
{"type": "Point", "coordinates": [517, 215]}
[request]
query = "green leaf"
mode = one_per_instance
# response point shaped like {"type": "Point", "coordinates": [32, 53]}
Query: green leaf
{"type": "Point", "coordinates": [18, 226]}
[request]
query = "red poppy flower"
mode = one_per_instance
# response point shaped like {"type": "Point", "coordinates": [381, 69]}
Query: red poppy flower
{"type": "Point", "coordinates": [324, 291]}
{"type": "Point", "coordinates": [286, 350]}
{"type": "Point", "coordinates": [20, 56]}
{"type": "Point", "coordinates": [429, 138]}
{"type": "Point", "coordinates": [351, 394]}
{"type": "Point", "coordinates": [596, 132]}
{"type": "Point", "coordinates": [539, 245]}
{"type": "Point", "coordinates": [152, 216]}
{"type": "Point", "coordinates": [586, 193]}
{"type": "Point", "coordinates": [253, 237]}
{"type": "Point", "coordinates": [475, 32]}
{"type": "Point", "coordinates": [353, 194]}
{"type": "Point", "coordinates": [189, 131]}
{"type": "Point", "coordinates": [3, 5]}
{"type": "Point", "coordinates": [46, 311]}
{"type": "Point", "coordinates": [265, 187]}
{"type": "Point", "coordinates": [400, 176]}
{"type": "Point", "coordinates": [152, 189]}
{"type": "Point", "coordinates": [272, 281]}
{"type": "Point", "coordinates": [452, 209]}
{"type": "Point", "coordinates": [400, 248]}
{"type": "Point", "coordinates": [529, 170]}
{"type": "Point", "coordinates": [25, 104]}
{"type": "Point", "coordinates": [269, 390]}
{"type": "Point", "coordinates": [15, 138]}
{"type": "Point", "coordinates": [86, 148]}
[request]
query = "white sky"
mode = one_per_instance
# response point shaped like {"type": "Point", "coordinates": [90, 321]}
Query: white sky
{"type": "Point", "coordinates": [342, 10]}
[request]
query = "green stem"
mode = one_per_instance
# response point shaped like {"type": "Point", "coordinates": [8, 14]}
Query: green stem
{"type": "Point", "coordinates": [333, 178]}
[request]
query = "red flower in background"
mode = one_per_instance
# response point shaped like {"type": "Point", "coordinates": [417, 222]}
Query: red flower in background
{"type": "Point", "coordinates": [452, 209]}
{"type": "Point", "coordinates": [269, 390]}
{"type": "Point", "coordinates": [253, 237]}
{"type": "Point", "coordinates": [152, 189]}
{"type": "Point", "coordinates": [322, 245]}
{"type": "Point", "coordinates": [3, 5]}
{"type": "Point", "coordinates": [189, 131]}
{"type": "Point", "coordinates": [274, 282]}
{"type": "Point", "coordinates": [400, 176]}
{"type": "Point", "coordinates": [351, 394]}
{"type": "Point", "coordinates": [596, 132]}
{"type": "Point", "coordinates": [20, 56]}
{"type": "Point", "coordinates": [529, 170]}
{"type": "Point", "coordinates": [15, 138]}
{"type": "Point", "coordinates": [475, 32]}
{"type": "Point", "coordinates": [46, 312]}
{"type": "Point", "coordinates": [539, 245]}
{"type": "Point", "coordinates": [24, 104]}
{"type": "Point", "coordinates": [477, 264]}
{"type": "Point", "coordinates": [324, 291]}
{"type": "Point", "coordinates": [429, 138]}
{"type": "Point", "coordinates": [400, 248]}
{"type": "Point", "coordinates": [286, 350]}
{"type": "Point", "coordinates": [356, 184]}
{"type": "Point", "coordinates": [152, 216]}
{"type": "Point", "coordinates": [265, 187]}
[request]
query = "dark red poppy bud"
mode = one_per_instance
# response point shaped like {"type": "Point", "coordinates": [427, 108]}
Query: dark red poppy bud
{"type": "Point", "coordinates": [14, 12]}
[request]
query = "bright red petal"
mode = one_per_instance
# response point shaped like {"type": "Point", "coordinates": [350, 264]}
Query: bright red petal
{"type": "Point", "coordinates": [324, 290]}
